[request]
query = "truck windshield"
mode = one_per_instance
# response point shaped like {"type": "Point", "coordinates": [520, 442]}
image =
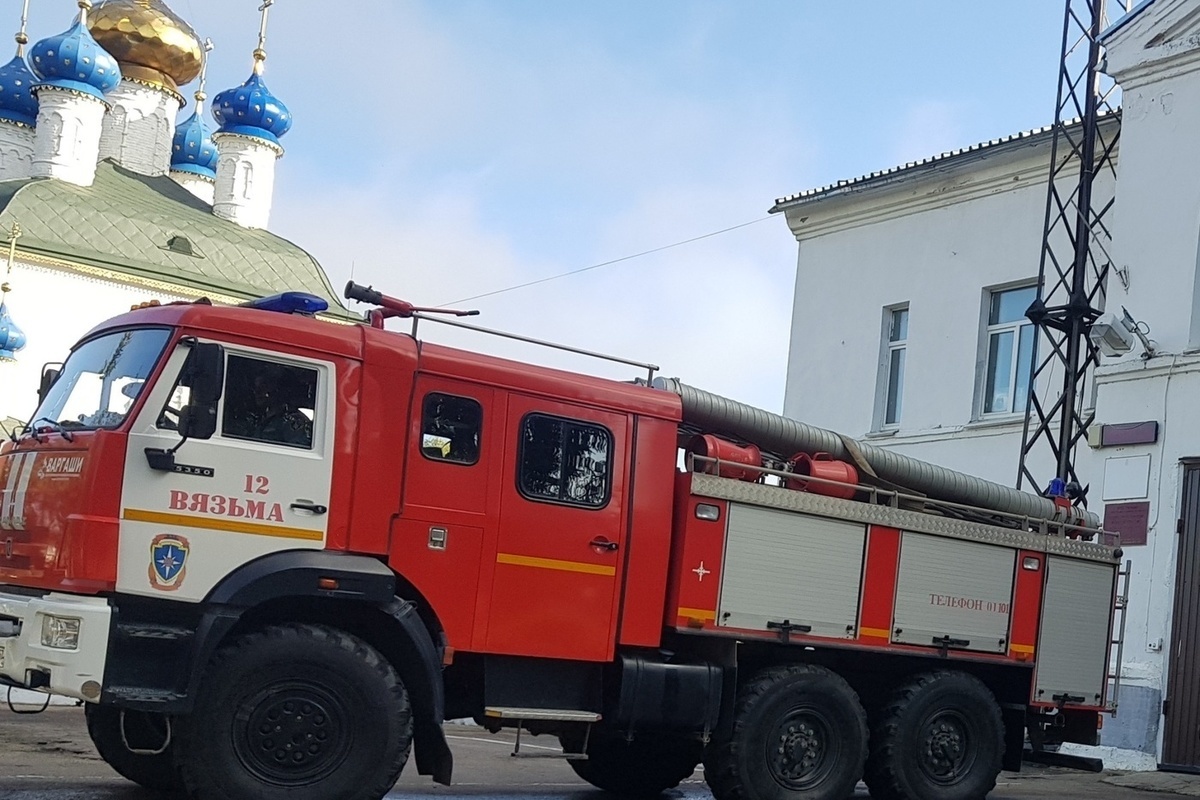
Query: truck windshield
{"type": "Point", "coordinates": [102, 379]}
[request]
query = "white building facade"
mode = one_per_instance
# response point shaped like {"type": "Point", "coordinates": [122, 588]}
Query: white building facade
{"type": "Point", "coordinates": [909, 331]}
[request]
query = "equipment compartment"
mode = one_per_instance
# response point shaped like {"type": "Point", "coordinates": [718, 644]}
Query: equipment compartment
{"type": "Point", "coordinates": [953, 593]}
{"type": "Point", "coordinates": [783, 567]}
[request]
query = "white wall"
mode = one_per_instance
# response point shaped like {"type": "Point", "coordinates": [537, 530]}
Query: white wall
{"type": "Point", "coordinates": [55, 308]}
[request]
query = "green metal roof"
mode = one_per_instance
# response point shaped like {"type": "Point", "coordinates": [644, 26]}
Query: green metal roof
{"type": "Point", "coordinates": [137, 225]}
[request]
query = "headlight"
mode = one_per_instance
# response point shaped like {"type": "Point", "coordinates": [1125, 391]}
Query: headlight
{"type": "Point", "coordinates": [60, 633]}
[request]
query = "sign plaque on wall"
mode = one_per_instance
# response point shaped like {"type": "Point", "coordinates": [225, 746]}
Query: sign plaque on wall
{"type": "Point", "coordinates": [1131, 520]}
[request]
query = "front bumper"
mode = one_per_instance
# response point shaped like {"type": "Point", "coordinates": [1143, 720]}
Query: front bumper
{"type": "Point", "coordinates": [26, 662]}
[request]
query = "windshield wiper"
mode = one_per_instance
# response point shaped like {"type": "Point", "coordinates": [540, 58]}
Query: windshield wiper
{"type": "Point", "coordinates": [57, 427]}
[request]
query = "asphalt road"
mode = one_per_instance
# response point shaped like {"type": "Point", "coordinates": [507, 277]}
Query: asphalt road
{"type": "Point", "coordinates": [49, 757]}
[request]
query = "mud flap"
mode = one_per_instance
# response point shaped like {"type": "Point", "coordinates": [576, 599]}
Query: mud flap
{"type": "Point", "coordinates": [422, 676]}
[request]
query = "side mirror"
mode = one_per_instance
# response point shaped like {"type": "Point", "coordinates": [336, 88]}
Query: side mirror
{"type": "Point", "coordinates": [198, 420]}
{"type": "Point", "coordinates": [206, 373]}
{"type": "Point", "coordinates": [49, 378]}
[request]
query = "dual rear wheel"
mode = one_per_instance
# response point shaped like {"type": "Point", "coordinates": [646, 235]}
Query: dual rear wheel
{"type": "Point", "coordinates": [800, 733]}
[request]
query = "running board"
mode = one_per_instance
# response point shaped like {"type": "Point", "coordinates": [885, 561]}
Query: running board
{"type": "Point", "coordinates": [520, 715]}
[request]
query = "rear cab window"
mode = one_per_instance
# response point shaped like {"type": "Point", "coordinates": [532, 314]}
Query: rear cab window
{"type": "Point", "coordinates": [565, 461]}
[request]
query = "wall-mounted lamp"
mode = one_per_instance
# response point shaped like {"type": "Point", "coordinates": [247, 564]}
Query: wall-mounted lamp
{"type": "Point", "coordinates": [1114, 336]}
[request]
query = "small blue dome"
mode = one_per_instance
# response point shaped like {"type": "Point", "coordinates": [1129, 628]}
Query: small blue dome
{"type": "Point", "coordinates": [12, 338]}
{"type": "Point", "coordinates": [193, 149]}
{"type": "Point", "coordinates": [17, 103]}
{"type": "Point", "coordinates": [74, 60]}
{"type": "Point", "coordinates": [251, 110]}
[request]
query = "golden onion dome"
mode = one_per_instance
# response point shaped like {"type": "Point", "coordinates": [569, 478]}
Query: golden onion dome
{"type": "Point", "coordinates": [151, 42]}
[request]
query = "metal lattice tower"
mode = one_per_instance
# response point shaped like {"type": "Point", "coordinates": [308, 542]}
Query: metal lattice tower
{"type": "Point", "coordinates": [1075, 263]}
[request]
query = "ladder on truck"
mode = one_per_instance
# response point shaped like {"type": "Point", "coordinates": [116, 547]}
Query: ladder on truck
{"type": "Point", "coordinates": [1120, 604]}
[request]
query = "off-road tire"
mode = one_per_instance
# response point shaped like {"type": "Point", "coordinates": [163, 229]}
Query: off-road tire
{"type": "Point", "coordinates": [296, 712]}
{"type": "Point", "coordinates": [144, 731]}
{"type": "Point", "coordinates": [799, 732]}
{"type": "Point", "coordinates": [644, 767]}
{"type": "Point", "coordinates": [939, 737]}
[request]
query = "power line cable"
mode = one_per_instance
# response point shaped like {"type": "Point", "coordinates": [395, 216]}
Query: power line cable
{"type": "Point", "coordinates": [606, 263]}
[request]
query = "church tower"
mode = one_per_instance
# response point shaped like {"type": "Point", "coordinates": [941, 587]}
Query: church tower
{"type": "Point", "coordinates": [157, 52]}
{"type": "Point", "coordinates": [74, 74]}
{"type": "Point", "coordinates": [193, 154]}
{"type": "Point", "coordinates": [252, 120]}
{"type": "Point", "coordinates": [18, 110]}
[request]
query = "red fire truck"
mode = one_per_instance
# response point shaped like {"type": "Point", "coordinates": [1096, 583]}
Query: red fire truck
{"type": "Point", "coordinates": [274, 553]}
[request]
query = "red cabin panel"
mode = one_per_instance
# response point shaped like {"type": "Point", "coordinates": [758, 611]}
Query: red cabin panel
{"type": "Point", "coordinates": [1027, 604]}
{"type": "Point", "coordinates": [695, 579]}
{"type": "Point", "coordinates": [879, 585]}
{"type": "Point", "coordinates": [649, 547]}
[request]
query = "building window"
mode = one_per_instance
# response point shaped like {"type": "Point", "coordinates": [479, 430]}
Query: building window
{"type": "Point", "coordinates": [565, 461]}
{"type": "Point", "coordinates": [895, 347]}
{"type": "Point", "coordinates": [1010, 340]}
{"type": "Point", "coordinates": [450, 428]}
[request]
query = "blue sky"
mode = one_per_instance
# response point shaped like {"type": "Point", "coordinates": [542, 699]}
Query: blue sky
{"type": "Point", "coordinates": [446, 148]}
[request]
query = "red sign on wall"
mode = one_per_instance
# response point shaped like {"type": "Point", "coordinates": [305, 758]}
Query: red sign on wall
{"type": "Point", "coordinates": [1131, 520]}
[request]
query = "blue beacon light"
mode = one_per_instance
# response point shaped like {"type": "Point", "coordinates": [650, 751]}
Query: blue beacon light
{"type": "Point", "coordinates": [290, 303]}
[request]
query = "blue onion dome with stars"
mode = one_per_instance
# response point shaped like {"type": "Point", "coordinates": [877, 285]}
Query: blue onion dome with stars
{"type": "Point", "coordinates": [74, 61]}
{"type": "Point", "coordinates": [251, 110]}
{"type": "Point", "coordinates": [193, 149]}
{"type": "Point", "coordinates": [17, 103]}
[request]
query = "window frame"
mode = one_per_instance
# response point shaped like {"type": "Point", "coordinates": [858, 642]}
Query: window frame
{"type": "Point", "coordinates": [988, 330]}
{"type": "Point", "coordinates": [319, 396]}
{"type": "Point", "coordinates": [533, 498]}
{"type": "Point", "coordinates": [479, 432]}
{"type": "Point", "coordinates": [889, 346]}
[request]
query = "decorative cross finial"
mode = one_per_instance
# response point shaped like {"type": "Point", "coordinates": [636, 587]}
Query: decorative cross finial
{"type": "Point", "coordinates": [200, 95]}
{"type": "Point", "coordinates": [260, 52]}
{"type": "Point", "coordinates": [23, 39]}
{"type": "Point", "coordinates": [84, 7]}
{"type": "Point", "coordinates": [13, 235]}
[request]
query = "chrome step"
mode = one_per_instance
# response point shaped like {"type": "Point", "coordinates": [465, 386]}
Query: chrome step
{"type": "Point", "coordinates": [545, 714]}
{"type": "Point", "coordinates": [551, 714]}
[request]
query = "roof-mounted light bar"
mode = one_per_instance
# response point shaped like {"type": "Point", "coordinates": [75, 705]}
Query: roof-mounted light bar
{"type": "Point", "coordinates": [290, 303]}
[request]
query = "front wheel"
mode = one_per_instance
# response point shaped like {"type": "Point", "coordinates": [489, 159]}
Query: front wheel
{"type": "Point", "coordinates": [150, 762]}
{"type": "Point", "coordinates": [940, 737]}
{"type": "Point", "coordinates": [297, 712]}
{"type": "Point", "coordinates": [646, 766]}
{"type": "Point", "coordinates": [799, 733]}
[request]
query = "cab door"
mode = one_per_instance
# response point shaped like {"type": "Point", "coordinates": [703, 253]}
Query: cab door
{"type": "Point", "coordinates": [559, 548]}
{"type": "Point", "coordinates": [260, 485]}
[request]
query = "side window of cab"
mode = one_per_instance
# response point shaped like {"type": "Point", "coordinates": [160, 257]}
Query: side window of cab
{"type": "Point", "coordinates": [269, 402]}
{"type": "Point", "coordinates": [450, 428]}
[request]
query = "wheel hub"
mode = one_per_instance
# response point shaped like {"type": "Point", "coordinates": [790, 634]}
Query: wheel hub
{"type": "Point", "coordinates": [293, 735]}
{"type": "Point", "coordinates": [946, 753]}
{"type": "Point", "coordinates": [798, 754]}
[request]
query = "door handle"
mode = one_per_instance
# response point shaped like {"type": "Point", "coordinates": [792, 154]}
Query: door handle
{"type": "Point", "coordinates": [600, 543]}
{"type": "Point", "coordinates": [301, 505]}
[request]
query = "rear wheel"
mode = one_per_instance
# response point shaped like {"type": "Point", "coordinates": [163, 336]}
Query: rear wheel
{"type": "Point", "coordinates": [150, 762]}
{"type": "Point", "coordinates": [940, 737]}
{"type": "Point", "coordinates": [799, 733]}
{"type": "Point", "coordinates": [644, 767]}
{"type": "Point", "coordinates": [297, 712]}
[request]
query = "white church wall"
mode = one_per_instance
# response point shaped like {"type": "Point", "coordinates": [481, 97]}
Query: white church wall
{"type": "Point", "coordinates": [55, 308]}
{"type": "Point", "coordinates": [202, 188]}
{"type": "Point", "coordinates": [16, 151]}
{"type": "Point", "coordinates": [68, 142]}
{"type": "Point", "coordinates": [139, 127]}
{"type": "Point", "coordinates": [245, 179]}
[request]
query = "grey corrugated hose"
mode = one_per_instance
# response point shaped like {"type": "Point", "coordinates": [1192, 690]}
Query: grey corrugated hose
{"type": "Point", "coordinates": [773, 432]}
